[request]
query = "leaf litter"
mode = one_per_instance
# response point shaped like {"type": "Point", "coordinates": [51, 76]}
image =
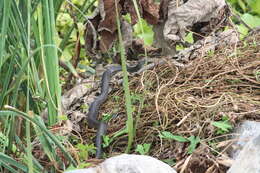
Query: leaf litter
{"type": "Point", "coordinates": [186, 101]}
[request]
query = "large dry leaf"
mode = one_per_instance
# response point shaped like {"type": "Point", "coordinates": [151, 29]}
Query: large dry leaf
{"type": "Point", "coordinates": [107, 10]}
{"type": "Point", "coordinates": [104, 24]}
{"type": "Point", "coordinates": [129, 8]}
{"type": "Point", "coordinates": [91, 34]}
{"type": "Point", "coordinates": [107, 40]}
{"type": "Point", "coordinates": [191, 12]}
{"type": "Point", "coordinates": [150, 11]}
{"type": "Point", "coordinates": [107, 27]}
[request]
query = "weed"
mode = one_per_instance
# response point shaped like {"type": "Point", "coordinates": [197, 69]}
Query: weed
{"type": "Point", "coordinates": [106, 141]}
{"type": "Point", "coordinates": [136, 97]}
{"type": "Point", "coordinates": [257, 75]}
{"type": "Point", "coordinates": [143, 149]}
{"type": "Point", "coordinates": [189, 38]}
{"type": "Point", "coordinates": [211, 53]}
{"type": "Point", "coordinates": [85, 150]}
{"type": "Point", "coordinates": [62, 118]}
{"type": "Point", "coordinates": [170, 162]}
{"type": "Point", "coordinates": [223, 126]}
{"type": "Point", "coordinates": [169, 135]}
{"type": "Point", "coordinates": [194, 141]}
{"type": "Point", "coordinates": [146, 34]}
{"type": "Point", "coordinates": [234, 81]}
{"type": "Point", "coordinates": [179, 47]}
{"type": "Point", "coordinates": [106, 117]}
{"type": "Point", "coordinates": [116, 98]}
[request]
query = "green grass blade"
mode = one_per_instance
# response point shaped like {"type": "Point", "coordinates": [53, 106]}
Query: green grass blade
{"type": "Point", "coordinates": [51, 61]}
{"type": "Point", "coordinates": [10, 161]}
{"type": "Point", "coordinates": [37, 166]}
{"type": "Point", "coordinates": [6, 82]}
{"type": "Point", "coordinates": [43, 129]}
{"type": "Point", "coordinates": [129, 110]}
{"type": "Point", "coordinates": [28, 124]}
{"type": "Point", "coordinates": [4, 27]}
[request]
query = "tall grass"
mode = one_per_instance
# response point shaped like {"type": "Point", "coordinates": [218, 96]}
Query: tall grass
{"type": "Point", "coordinates": [29, 83]}
{"type": "Point", "coordinates": [131, 127]}
{"type": "Point", "coordinates": [129, 109]}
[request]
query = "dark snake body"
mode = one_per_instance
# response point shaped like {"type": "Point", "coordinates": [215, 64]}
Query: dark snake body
{"type": "Point", "coordinates": [92, 116]}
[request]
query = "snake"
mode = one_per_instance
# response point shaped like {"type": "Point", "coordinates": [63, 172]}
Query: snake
{"type": "Point", "coordinates": [92, 116]}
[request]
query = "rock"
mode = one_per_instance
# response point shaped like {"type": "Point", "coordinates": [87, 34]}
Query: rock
{"type": "Point", "coordinates": [247, 131]}
{"type": "Point", "coordinates": [129, 163]}
{"type": "Point", "coordinates": [247, 159]}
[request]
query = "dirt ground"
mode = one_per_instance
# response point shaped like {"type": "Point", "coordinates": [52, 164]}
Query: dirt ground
{"type": "Point", "coordinates": [185, 102]}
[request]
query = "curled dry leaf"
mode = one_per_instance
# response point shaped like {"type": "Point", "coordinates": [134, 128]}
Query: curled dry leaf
{"type": "Point", "coordinates": [103, 24]}
{"type": "Point", "coordinates": [129, 8]}
{"type": "Point", "coordinates": [107, 26]}
{"type": "Point", "coordinates": [91, 34]}
{"type": "Point", "coordinates": [186, 15]}
{"type": "Point", "coordinates": [150, 11]}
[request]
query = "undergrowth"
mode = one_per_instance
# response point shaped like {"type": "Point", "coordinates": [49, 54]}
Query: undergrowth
{"type": "Point", "coordinates": [171, 112]}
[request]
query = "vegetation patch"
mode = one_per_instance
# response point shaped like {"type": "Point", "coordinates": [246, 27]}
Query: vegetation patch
{"type": "Point", "coordinates": [188, 113]}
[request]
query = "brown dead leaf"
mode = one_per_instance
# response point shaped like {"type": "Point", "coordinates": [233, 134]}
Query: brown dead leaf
{"type": "Point", "coordinates": [150, 11]}
{"type": "Point", "coordinates": [104, 24]}
{"type": "Point", "coordinates": [108, 13]}
{"type": "Point", "coordinates": [163, 11]}
{"type": "Point", "coordinates": [91, 34]}
{"type": "Point", "coordinates": [107, 27]}
{"type": "Point", "coordinates": [129, 8]}
{"type": "Point", "coordinates": [227, 162]}
{"type": "Point", "coordinates": [107, 40]}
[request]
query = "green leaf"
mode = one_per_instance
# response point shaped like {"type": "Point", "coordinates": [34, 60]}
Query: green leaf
{"type": "Point", "coordinates": [194, 141]}
{"type": "Point", "coordinates": [242, 5]}
{"type": "Point", "coordinates": [255, 6]}
{"type": "Point", "coordinates": [242, 30]}
{"type": "Point", "coordinates": [67, 53]}
{"type": "Point", "coordinates": [11, 162]}
{"type": "Point", "coordinates": [179, 47]}
{"type": "Point", "coordinates": [147, 36]}
{"type": "Point", "coordinates": [107, 117]}
{"type": "Point", "coordinates": [143, 149]}
{"type": "Point", "coordinates": [223, 125]}
{"type": "Point", "coordinates": [189, 38]}
{"type": "Point", "coordinates": [78, 2]}
{"type": "Point", "coordinates": [62, 117]}
{"type": "Point", "coordinates": [86, 68]}
{"type": "Point", "coordinates": [127, 17]}
{"type": "Point", "coordinates": [84, 150]}
{"type": "Point", "coordinates": [169, 135]}
{"type": "Point", "coordinates": [252, 21]}
{"type": "Point", "coordinates": [84, 165]}
{"type": "Point", "coordinates": [15, 112]}
{"type": "Point", "coordinates": [170, 162]}
{"type": "Point", "coordinates": [106, 141]}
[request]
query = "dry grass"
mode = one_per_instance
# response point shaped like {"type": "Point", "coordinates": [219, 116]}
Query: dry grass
{"type": "Point", "coordinates": [185, 101]}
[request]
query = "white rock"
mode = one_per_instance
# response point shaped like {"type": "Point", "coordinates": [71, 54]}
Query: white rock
{"type": "Point", "coordinates": [127, 163]}
{"type": "Point", "coordinates": [248, 160]}
{"type": "Point", "coordinates": [247, 131]}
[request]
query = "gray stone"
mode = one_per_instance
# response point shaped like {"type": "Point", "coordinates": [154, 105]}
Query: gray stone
{"type": "Point", "coordinates": [248, 159]}
{"type": "Point", "coordinates": [247, 131]}
{"type": "Point", "coordinates": [129, 163]}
